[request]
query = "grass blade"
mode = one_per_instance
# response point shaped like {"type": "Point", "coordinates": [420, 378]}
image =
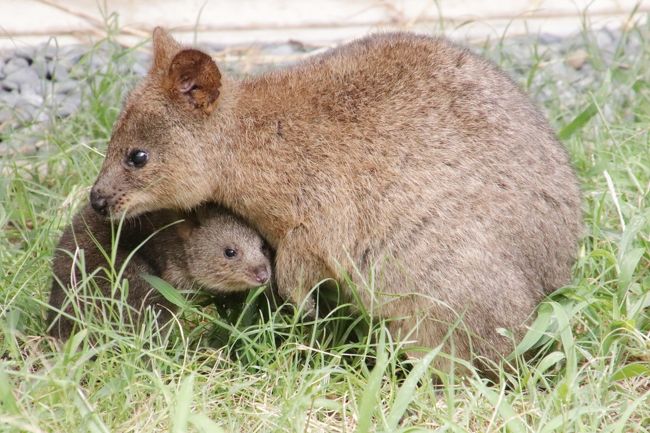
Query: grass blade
{"type": "Point", "coordinates": [635, 369]}
{"type": "Point", "coordinates": [167, 290]}
{"type": "Point", "coordinates": [7, 399]}
{"type": "Point", "coordinates": [183, 405]}
{"type": "Point", "coordinates": [579, 122]}
{"type": "Point", "coordinates": [91, 421]}
{"type": "Point", "coordinates": [370, 396]}
{"type": "Point", "coordinates": [536, 331]}
{"type": "Point", "coordinates": [510, 418]}
{"type": "Point", "coordinates": [204, 424]}
{"type": "Point", "coordinates": [559, 423]}
{"type": "Point", "coordinates": [406, 392]}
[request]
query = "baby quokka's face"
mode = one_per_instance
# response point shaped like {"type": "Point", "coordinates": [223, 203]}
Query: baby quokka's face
{"type": "Point", "coordinates": [227, 257]}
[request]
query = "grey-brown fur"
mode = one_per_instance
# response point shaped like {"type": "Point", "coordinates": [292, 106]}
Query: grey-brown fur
{"type": "Point", "coordinates": [190, 250]}
{"type": "Point", "coordinates": [398, 153]}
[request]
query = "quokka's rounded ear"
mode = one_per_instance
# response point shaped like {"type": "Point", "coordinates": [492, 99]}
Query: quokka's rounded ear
{"type": "Point", "coordinates": [194, 78]}
{"type": "Point", "coordinates": [165, 48]}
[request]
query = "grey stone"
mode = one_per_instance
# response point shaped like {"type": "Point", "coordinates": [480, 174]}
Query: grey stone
{"type": "Point", "coordinates": [24, 111]}
{"type": "Point", "coordinates": [634, 42]}
{"type": "Point", "coordinates": [123, 69]}
{"type": "Point", "coordinates": [66, 105]}
{"type": "Point", "coordinates": [56, 71]}
{"type": "Point", "coordinates": [42, 117]}
{"type": "Point", "coordinates": [30, 96]}
{"type": "Point", "coordinates": [25, 76]}
{"type": "Point", "coordinates": [98, 62]}
{"type": "Point", "coordinates": [27, 53]}
{"type": "Point", "coordinates": [73, 53]}
{"type": "Point", "coordinates": [143, 58]}
{"type": "Point", "coordinates": [280, 49]}
{"type": "Point", "coordinates": [7, 103]}
{"type": "Point", "coordinates": [8, 86]}
{"type": "Point", "coordinates": [608, 37]}
{"type": "Point", "coordinates": [139, 69]}
{"type": "Point", "coordinates": [9, 99]}
{"type": "Point", "coordinates": [66, 86]}
{"type": "Point", "coordinates": [49, 52]}
{"type": "Point", "coordinates": [15, 64]}
{"type": "Point", "coordinates": [40, 66]}
{"type": "Point", "coordinates": [27, 89]}
{"type": "Point", "coordinates": [27, 141]}
{"type": "Point", "coordinates": [5, 114]}
{"type": "Point", "coordinates": [549, 39]}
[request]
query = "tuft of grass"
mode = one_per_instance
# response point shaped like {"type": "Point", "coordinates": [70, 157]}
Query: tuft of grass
{"type": "Point", "coordinates": [253, 368]}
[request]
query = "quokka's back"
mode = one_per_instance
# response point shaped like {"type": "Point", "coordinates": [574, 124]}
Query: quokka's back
{"type": "Point", "coordinates": [423, 149]}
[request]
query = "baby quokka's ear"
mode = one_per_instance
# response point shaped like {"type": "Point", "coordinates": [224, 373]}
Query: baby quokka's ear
{"type": "Point", "coordinates": [193, 79]}
{"type": "Point", "coordinates": [185, 228]}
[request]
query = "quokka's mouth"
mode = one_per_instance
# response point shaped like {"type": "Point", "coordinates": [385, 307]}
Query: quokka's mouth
{"type": "Point", "coordinates": [126, 211]}
{"type": "Point", "coordinates": [127, 206]}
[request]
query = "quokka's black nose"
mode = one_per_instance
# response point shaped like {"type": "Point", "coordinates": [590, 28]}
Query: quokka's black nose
{"type": "Point", "coordinates": [98, 202]}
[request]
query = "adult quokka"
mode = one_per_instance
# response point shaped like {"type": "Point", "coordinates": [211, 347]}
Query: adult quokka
{"type": "Point", "coordinates": [406, 163]}
{"type": "Point", "coordinates": [208, 247]}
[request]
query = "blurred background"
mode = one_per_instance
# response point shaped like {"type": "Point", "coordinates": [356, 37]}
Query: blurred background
{"type": "Point", "coordinates": [60, 57]}
{"type": "Point", "coordinates": [319, 22]}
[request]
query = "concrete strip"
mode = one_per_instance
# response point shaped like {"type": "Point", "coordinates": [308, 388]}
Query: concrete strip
{"type": "Point", "coordinates": [323, 21]}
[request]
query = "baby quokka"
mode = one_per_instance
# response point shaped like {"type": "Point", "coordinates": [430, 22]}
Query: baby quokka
{"type": "Point", "coordinates": [208, 247]}
{"type": "Point", "coordinates": [404, 163]}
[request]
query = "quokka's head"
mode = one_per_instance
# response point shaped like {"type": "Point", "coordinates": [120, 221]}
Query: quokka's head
{"type": "Point", "coordinates": [155, 157]}
{"type": "Point", "coordinates": [223, 253]}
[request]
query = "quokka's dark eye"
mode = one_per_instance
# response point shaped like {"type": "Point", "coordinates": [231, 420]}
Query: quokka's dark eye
{"type": "Point", "coordinates": [230, 253]}
{"type": "Point", "coordinates": [137, 158]}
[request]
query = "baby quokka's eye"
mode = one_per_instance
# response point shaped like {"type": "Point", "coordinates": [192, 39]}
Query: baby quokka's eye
{"type": "Point", "coordinates": [230, 253]}
{"type": "Point", "coordinates": [137, 158]}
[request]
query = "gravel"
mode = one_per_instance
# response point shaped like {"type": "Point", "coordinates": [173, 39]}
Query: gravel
{"type": "Point", "coordinates": [41, 84]}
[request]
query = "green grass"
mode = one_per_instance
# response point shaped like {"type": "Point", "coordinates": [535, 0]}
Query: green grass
{"type": "Point", "coordinates": [243, 372]}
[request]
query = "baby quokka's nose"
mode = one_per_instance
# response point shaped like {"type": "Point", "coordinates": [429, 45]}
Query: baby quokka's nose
{"type": "Point", "coordinates": [98, 202]}
{"type": "Point", "coordinates": [261, 274]}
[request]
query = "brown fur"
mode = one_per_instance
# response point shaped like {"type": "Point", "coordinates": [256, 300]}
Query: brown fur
{"type": "Point", "coordinates": [187, 252]}
{"type": "Point", "coordinates": [399, 154]}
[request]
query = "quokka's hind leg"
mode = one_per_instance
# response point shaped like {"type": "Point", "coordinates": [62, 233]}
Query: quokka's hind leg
{"type": "Point", "coordinates": [298, 270]}
{"type": "Point", "coordinates": [421, 328]}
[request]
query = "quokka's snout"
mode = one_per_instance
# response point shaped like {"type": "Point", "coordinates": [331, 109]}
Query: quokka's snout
{"type": "Point", "coordinates": [109, 190]}
{"type": "Point", "coordinates": [98, 201]}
